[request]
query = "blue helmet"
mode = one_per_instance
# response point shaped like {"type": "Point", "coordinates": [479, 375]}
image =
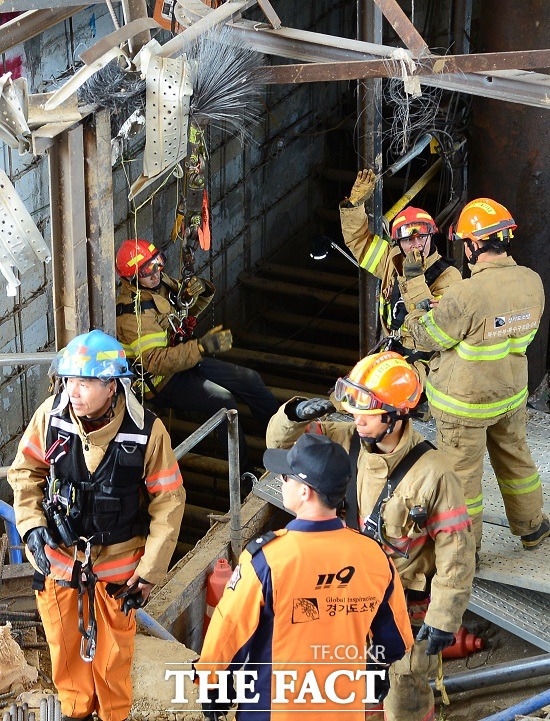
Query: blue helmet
{"type": "Point", "coordinates": [93, 355]}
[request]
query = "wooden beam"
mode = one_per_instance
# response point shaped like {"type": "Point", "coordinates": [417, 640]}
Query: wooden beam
{"type": "Point", "coordinates": [69, 255]}
{"type": "Point", "coordinates": [403, 27]}
{"type": "Point", "coordinates": [100, 222]}
{"type": "Point", "coordinates": [389, 68]}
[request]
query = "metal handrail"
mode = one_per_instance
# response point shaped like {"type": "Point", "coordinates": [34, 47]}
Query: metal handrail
{"type": "Point", "coordinates": [232, 416]}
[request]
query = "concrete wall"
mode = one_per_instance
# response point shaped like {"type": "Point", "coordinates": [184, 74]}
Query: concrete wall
{"type": "Point", "coordinates": [264, 194]}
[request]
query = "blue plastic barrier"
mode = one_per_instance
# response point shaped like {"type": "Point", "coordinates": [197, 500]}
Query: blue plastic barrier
{"type": "Point", "coordinates": [8, 514]}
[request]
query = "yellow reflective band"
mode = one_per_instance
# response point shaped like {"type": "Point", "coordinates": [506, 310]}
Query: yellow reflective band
{"type": "Point", "coordinates": [473, 410]}
{"type": "Point", "coordinates": [151, 247]}
{"type": "Point", "coordinates": [519, 486]}
{"type": "Point", "coordinates": [146, 342]}
{"type": "Point", "coordinates": [474, 505]}
{"type": "Point", "coordinates": [494, 352]}
{"type": "Point", "coordinates": [135, 260]}
{"type": "Point", "coordinates": [374, 254]}
{"type": "Point", "coordinates": [108, 355]}
{"type": "Point", "coordinates": [435, 332]}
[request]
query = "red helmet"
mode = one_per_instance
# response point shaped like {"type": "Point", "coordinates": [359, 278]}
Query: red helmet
{"type": "Point", "coordinates": [412, 221]}
{"type": "Point", "coordinates": [134, 256]}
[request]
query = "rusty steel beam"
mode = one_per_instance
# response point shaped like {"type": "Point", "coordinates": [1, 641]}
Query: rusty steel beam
{"type": "Point", "coordinates": [514, 86]}
{"type": "Point", "coordinates": [403, 27]}
{"type": "Point", "coordinates": [32, 23]}
{"type": "Point", "coordinates": [269, 11]}
{"type": "Point", "coordinates": [389, 68]}
{"type": "Point", "coordinates": [68, 216]}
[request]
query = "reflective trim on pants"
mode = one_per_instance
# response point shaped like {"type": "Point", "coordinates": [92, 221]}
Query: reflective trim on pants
{"type": "Point", "coordinates": [104, 685]}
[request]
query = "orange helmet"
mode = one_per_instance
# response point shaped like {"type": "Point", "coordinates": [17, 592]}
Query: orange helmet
{"type": "Point", "coordinates": [482, 218]}
{"type": "Point", "coordinates": [412, 221]}
{"type": "Point", "coordinates": [138, 257]}
{"type": "Point", "coordinates": [379, 383]}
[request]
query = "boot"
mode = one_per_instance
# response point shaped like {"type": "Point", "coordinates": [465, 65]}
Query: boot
{"type": "Point", "coordinates": [533, 540]}
{"type": "Point", "coordinates": [89, 717]}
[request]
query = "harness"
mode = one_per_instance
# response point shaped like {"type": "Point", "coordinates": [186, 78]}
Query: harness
{"type": "Point", "coordinates": [399, 312]}
{"type": "Point", "coordinates": [374, 523]}
{"type": "Point", "coordinates": [102, 508]}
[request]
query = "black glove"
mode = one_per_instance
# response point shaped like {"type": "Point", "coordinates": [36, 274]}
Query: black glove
{"type": "Point", "coordinates": [216, 340]}
{"type": "Point", "coordinates": [437, 640]}
{"type": "Point", "coordinates": [36, 540]}
{"type": "Point", "coordinates": [413, 265]}
{"type": "Point", "coordinates": [313, 408]}
{"type": "Point", "coordinates": [214, 709]}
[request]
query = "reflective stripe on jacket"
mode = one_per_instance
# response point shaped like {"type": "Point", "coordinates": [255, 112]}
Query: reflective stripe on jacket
{"type": "Point", "coordinates": [482, 328]}
{"type": "Point", "coordinates": [441, 554]}
{"type": "Point", "coordinates": [148, 555]}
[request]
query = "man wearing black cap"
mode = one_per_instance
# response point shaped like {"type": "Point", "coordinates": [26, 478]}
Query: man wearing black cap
{"type": "Point", "coordinates": [306, 602]}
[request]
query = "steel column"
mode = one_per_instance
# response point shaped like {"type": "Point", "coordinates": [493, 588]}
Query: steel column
{"type": "Point", "coordinates": [68, 213]}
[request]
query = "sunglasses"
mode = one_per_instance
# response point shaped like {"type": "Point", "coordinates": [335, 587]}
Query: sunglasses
{"type": "Point", "coordinates": [358, 397]}
{"type": "Point", "coordinates": [155, 265]}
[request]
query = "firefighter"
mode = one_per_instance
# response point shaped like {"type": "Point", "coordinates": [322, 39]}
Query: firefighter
{"type": "Point", "coordinates": [478, 389]}
{"type": "Point", "coordinates": [155, 321]}
{"type": "Point", "coordinates": [407, 496]}
{"type": "Point", "coordinates": [409, 261]}
{"type": "Point", "coordinates": [300, 603]}
{"type": "Point", "coordinates": [98, 500]}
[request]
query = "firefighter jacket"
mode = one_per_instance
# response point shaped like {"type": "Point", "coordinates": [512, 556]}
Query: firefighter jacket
{"type": "Point", "coordinates": [441, 553]}
{"type": "Point", "coordinates": [314, 585]}
{"type": "Point", "coordinates": [378, 257]}
{"type": "Point", "coordinates": [482, 327]}
{"type": "Point", "coordinates": [164, 497]}
{"type": "Point", "coordinates": [147, 338]}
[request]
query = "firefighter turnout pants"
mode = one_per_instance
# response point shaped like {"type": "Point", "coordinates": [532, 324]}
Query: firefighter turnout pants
{"type": "Point", "coordinates": [516, 473]}
{"type": "Point", "coordinates": [103, 685]}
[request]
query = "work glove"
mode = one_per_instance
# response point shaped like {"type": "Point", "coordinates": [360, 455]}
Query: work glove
{"type": "Point", "coordinates": [363, 187]}
{"type": "Point", "coordinates": [312, 408]}
{"type": "Point", "coordinates": [194, 286]}
{"type": "Point", "coordinates": [413, 265]}
{"type": "Point", "coordinates": [36, 540]}
{"type": "Point", "coordinates": [437, 640]}
{"type": "Point", "coordinates": [216, 340]}
{"type": "Point", "coordinates": [381, 685]}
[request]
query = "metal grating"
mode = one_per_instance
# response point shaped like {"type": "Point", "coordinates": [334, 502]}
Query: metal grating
{"type": "Point", "coordinates": [524, 613]}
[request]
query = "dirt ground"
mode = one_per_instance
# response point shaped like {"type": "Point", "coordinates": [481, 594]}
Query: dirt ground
{"type": "Point", "coordinates": [501, 647]}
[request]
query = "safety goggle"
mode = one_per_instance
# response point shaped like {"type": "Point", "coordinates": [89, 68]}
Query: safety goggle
{"type": "Point", "coordinates": [408, 230]}
{"type": "Point", "coordinates": [155, 265]}
{"type": "Point", "coordinates": [358, 397]}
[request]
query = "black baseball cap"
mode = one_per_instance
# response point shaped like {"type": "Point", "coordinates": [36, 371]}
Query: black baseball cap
{"type": "Point", "coordinates": [316, 460]}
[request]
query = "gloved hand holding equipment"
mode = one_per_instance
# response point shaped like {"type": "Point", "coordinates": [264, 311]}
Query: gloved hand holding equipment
{"type": "Point", "coordinates": [313, 408]}
{"type": "Point", "coordinates": [363, 187]}
{"type": "Point", "coordinates": [216, 340]}
{"type": "Point", "coordinates": [131, 596]}
{"type": "Point", "coordinates": [413, 265]}
{"type": "Point", "coordinates": [36, 539]}
{"type": "Point", "coordinates": [214, 709]}
{"type": "Point", "coordinates": [437, 640]}
{"type": "Point", "coordinates": [381, 685]}
{"type": "Point", "coordinates": [194, 287]}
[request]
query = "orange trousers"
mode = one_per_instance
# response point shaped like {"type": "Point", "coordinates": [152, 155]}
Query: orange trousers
{"type": "Point", "coordinates": [103, 685]}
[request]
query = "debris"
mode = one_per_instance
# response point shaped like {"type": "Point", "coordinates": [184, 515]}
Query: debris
{"type": "Point", "coordinates": [14, 669]}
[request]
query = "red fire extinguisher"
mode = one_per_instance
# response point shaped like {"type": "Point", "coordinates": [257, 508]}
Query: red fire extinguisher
{"type": "Point", "coordinates": [215, 586]}
{"type": "Point", "coordinates": [464, 644]}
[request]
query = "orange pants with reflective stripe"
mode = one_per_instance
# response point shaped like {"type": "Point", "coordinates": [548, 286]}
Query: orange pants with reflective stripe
{"type": "Point", "coordinates": [103, 685]}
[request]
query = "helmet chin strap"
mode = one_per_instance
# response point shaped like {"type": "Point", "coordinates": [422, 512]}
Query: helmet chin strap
{"type": "Point", "coordinates": [391, 418]}
{"type": "Point", "coordinates": [487, 246]}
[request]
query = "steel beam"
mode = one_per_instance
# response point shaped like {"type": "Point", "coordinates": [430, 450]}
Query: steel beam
{"type": "Point", "coordinates": [100, 222]}
{"type": "Point", "coordinates": [32, 23]}
{"type": "Point", "coordinates": [20, 6]}
{"type": "Point", "coordinates": [515, 86]}
{"type": "Point", "coordinates": [388, 68]}
{"type": "Point", "coordinates": [403, 27]}
{"type": "Point", "coordinates": [67, 207]}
